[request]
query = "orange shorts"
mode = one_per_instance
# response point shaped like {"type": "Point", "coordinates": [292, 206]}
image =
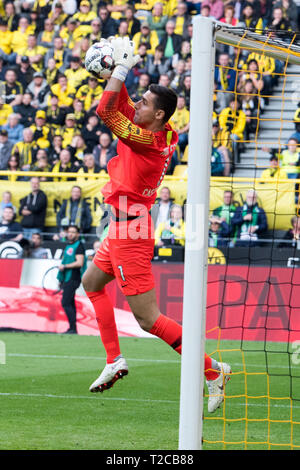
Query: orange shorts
{"type": "Point", "coordinates": [127, 258]}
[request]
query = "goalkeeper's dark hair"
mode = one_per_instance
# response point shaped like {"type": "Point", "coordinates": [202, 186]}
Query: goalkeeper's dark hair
{"type": "Point", "coordinates": [165, 99]}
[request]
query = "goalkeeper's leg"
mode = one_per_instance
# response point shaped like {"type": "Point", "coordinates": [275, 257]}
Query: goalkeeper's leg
{"type": "Point", "coordinates": [146, 311]}
{"type": "Point", "coordinates": [94, 282]}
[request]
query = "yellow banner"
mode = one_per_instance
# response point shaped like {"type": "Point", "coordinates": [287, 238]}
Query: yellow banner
{"type": "Point", "coordinates": [276, 200]}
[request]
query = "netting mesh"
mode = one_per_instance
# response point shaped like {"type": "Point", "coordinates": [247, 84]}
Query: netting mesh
{"type": "Point", "coordinates": [253, 306]}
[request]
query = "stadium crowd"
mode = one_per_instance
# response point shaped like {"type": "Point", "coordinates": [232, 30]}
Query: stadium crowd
{"type": "Point", "coordinates": [48, 100]}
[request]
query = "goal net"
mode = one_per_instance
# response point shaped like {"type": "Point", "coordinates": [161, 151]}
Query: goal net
{"type": "Point", "coordinates": [251, 231]}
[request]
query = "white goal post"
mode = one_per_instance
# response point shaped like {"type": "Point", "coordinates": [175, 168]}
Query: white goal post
{"type": "Point", "coordinates": [206, 32]}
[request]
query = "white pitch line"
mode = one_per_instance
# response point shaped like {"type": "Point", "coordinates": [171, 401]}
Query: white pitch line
{"type": "Point", "coordinates": [140, 400]}
{"type": "Point", "coordinates": [102, 358]}
{"type": "Point", "coordinates": [75, 397]}
{"type": "Point", "coordinates": [93, 358]}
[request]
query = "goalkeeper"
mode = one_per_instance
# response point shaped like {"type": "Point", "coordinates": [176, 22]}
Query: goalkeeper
{"type": "Point", "coordinates": [145, 146]}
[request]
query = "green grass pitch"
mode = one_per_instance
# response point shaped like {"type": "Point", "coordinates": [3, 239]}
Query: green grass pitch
{"type": "Point", "coordinates": [45, 401]}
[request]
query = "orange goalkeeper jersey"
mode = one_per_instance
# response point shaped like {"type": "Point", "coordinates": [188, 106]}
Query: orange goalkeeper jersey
{"type": "Point", "coordinates": [143, 156]}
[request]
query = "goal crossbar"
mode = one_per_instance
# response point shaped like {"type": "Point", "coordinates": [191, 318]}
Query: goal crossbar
{"type": "Point", "coordinates": [262, 43]}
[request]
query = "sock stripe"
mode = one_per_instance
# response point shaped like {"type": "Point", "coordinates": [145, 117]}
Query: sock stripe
{"type": "Point", "coordinates": [177, 343]}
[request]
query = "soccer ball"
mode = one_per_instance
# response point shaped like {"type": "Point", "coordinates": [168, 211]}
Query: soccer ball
{"type": "Point", "coordinates": [99, 59]}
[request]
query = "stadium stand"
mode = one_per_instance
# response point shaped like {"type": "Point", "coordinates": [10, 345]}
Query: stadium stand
{"type": "Point", "coordinates": [48, 100]}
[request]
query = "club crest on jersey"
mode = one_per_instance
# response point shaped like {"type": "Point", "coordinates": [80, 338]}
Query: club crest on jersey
{"type": "Point", "coordinates": [70, 251]}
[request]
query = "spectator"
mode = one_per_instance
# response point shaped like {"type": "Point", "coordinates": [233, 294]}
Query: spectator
{"type": "Point", "coordinates": [55, 116]}
{"type": "Point", "coordinates": [216, 8]}
{"type": "Point", "coordinates": [290, 12]}
{"type": "Point", "coordinates": [226, 211]}
{"type": "Point", "coordinates": [290, 159]}
{"type": "Point", "coordinates": [171, 41]}
{"type": "Point", "coordinates": [70, 272]}
{"type": "Point", "coordinates": [5, 111]}
{"type": "Point", "coordinates": [46, 36]}
{"type": "Point", "coordinates": [253, 75]}
{"type": "Point", "coordinates": [51, 72]}
{"type": "Point", "coordinates": [279, 26]}
{"type": "Point", "coordinates": [33, 209]}
{"type": "Point", "coordinates": [13, 88]}
{"type": "Point", "coordinates": [37, 251]}
{"type": "Point", "coordinates": [41, 164]}
{"type": "Point", "coordinates": [9, 228]}
{"type": "Point", "coordinates": [250, 220]}
{"type": "Point", "coordinates": [64, 165]}
{"type": "Point", "coordinates": [5, 39]}
{"type": "Point", "coordinates": [221, 141]}
{"type": "Point", "coordinates": [61, 9]}
{"type": "Point", "coordinates": [218, 233]}
{"type": "Point", "coordinates": [55, 149]}
{"type": "Point", "coordinates": [157, 21]}
{"type": "Point", "coordinates": [108, 24]}
{"type": "Point", "coordinates": [77, 148]}
{"type": "Point", "coordinates": [274, 171]}
{"type": "Point", "coordinates": [25, 110]}
{"type": "Point", "coordinates": [104, 151]}
{"type": "Point", "coordinates": [68, 6]}
{"type": "Point", "coordinates": [233, 120]}
{"type": "Point", "coordinates": [250, 19]}
{"type": "Point", "coordinates": [134, 24]}
{"type": "Point", "coordinates": [160, 212]}
{"type": "Point", "coordinates": [80, 113]}
{"type": "Point", "coordinates": [250, 106]}
{"type": "Point", "coordinates": [157, 65]}
{"type": "Point", "coordinates": [6, 202]}
{"type": "Point", "coordinates": [89, 167]}
{"type": "Point", "coordinates": [95, 34]}
{"type": "Point", "coordinates": [24, 72]}
{"type": "Point", "coordinates": [181, 123]}
{"type": "Point", "coordinates": [228, 17]}
{"type": "Point", "coordinates": [182, 19]}
{"type": "Point", "coordinates": [59, 53]}
{"type": "Point", "coordinates": [39, 89]}
{"type": "Point", "coordinates": [91, 132]}
{"type": "Point", "coordinates": [138, 90]}
{"type": "Point", "coordinates": [225, 79]}
{"type": "Point", "coordinates": [217, 167]}
{"type": "Point", "coordinates": [11, 16]}
{"type": "Point", "coordinates": [145, 35]}
{"type": "Point", "coordinates": [25, 149]}
{"type": "Point", "coordinates": [67, 33]}
{"type": "Point", "coordinates": [6, 147]}
{"type": "Point", "coordinates": [173, 230]}
{"type": "Point", "coordinates": [76, 73]}
{"type": "Point", "coordinates": [13, 165]}
{"type": "Point", "coordinates": [74, 211]}
{"type": "Point", "coordinates": [13, 128]}
{"type": "Point", "coordinates": [64, 92]}
{"type": "Point", "coordinates": [85, 15]}
{"type": "Point", "coordinates": [185, 89]}
{"type": "Point", "coordinates": [293, 234]}
{"type": "Point", "coordinates": [69, 130]}
{"type": "Point", "coordinates": [90, 93]}
{"type": "Point", "coordinates": [177, 75]}
{"type": "Point", "coordinates": [34, 52]}
{"type": "Point", "coordinates": [41, 132]}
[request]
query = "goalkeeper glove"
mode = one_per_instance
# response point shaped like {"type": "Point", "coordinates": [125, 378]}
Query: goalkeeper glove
{"type": "Point", "coordinates": [124, 58]}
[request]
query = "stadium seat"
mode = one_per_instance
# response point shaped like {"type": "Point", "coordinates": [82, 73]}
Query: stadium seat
{"type": "Point", "coordinates": [180, 170]}
{"type": "Point", "coordinates": [185, 155]}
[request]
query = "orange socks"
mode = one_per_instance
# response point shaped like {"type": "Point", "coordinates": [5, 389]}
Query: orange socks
{"type": "Point", "coordinates": [106, 322]}
{"type": "Point", "coordinates": [171, 332]}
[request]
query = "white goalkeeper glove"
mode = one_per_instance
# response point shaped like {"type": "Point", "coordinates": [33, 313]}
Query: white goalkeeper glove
{"type": "Point", "coordinates": [124, 57]}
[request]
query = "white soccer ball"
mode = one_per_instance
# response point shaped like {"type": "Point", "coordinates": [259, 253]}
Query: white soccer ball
{"type": "Point", "coordinates": [99, 59]}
